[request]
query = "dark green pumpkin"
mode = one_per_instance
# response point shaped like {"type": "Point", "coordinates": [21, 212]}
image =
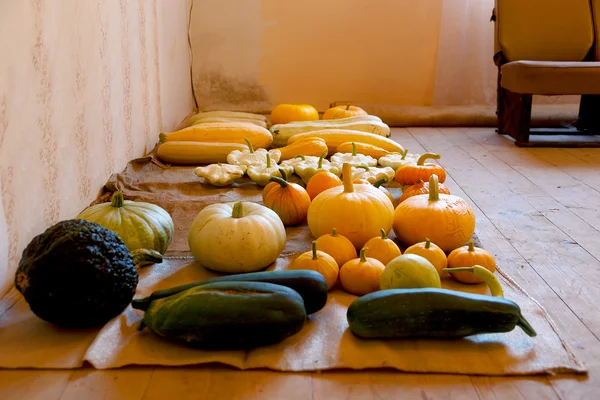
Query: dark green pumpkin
{"type": "Point", "coordinates": [227, 315]}
{"type": "Point", "coordinates": [311, 285]}
{"type": "Point", "coordinates": [432, 312]}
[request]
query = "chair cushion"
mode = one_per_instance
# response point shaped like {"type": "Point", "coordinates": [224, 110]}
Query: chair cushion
{"type": "Point", "coordinates": [544, 30]}
{"type": "Point", "coordinates": [551, 78]}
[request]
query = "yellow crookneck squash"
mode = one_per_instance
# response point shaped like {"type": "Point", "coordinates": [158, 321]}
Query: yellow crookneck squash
{"type": "Point", "coordinates": [447, 220]}
{"type": "Point", "coordinates": [357, 212]}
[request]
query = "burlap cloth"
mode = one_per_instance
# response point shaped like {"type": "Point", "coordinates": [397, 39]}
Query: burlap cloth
{"type": "Point", "coordinates": [324, 343]}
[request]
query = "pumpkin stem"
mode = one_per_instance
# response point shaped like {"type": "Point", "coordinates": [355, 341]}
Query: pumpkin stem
{"type": "Point", "coordinates": [427, 243]}
{"type": "Point", "coordinates": [434, 194]}
{"type": "Point", "coordinates": [404, 153]}
{"type": "Point", "coordinates": [143, 257]}
{"type": "Point", "coordinates": [347, 178]}
{"type": "Point", "coordinates": [334, 233]}
{"type": "Point", "coordinates": [383, 234]}
{"type": "Point", "coordinates": [238, 210]}
{"type": "Point", "coordinates": [301, 156]}
{"type": "Point", "coordinates": [363, 258]}
{"type": "Point", "coordinates": [320, 163]}
{"type": "Point", "coordinates": [283, 174]}
{"type": "Point", "coordinates": [314, 250]}
{"type": "Point", "coordinates": [426, 156]}
{"type": "Point", "coordinates": [471, 246]}
{"type": "Point", "coordinates": [365, 167]}
{"type": "Point", "coordinates": [380, 182]}
{"type": "Point", "coordinates": [117, 199]}
{"type": "Point", "coordinates": [249, 145]}
{"type": "Point", "coordinates": [268, 160]}
{"type": "Point", "coordinates": [348, 106]}
{"type": "Point", "coordinates": [279, 180]}
{"type": "Point", "coordinates": [353, 149]}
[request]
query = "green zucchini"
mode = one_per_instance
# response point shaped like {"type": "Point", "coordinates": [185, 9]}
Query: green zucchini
{"type": "Point", "coordinates": [432, 312]}
{"type": "Point", "coordinates": [311, 285]}
{"type": "Point", "coordinates": [227, 315]}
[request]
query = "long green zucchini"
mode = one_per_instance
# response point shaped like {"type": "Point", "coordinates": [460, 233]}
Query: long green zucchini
{"type": "Point", "coordinates": [432, 312]}
{"type": "Point", "coordinates": [227, 315]}
{"type": "Point", "coordinates": [311, 285]}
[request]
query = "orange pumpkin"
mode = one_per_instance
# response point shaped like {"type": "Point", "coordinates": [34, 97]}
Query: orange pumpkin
{"type": "Point", "coordinates": [322, 181]}
{"type": "Point", "coordinates": [362, 275]}
{"type": "Point", "coordinates": [382, 248]}
{"type": "Point", "coordinates": [357, 212]}
{"type": "Point", "coordinates": [319, 261]}
{"type": "Point", "coordinates": [448, 220]}
{"type": "Point", "coordinates": [410, 173]}
{"type": "Point", "coordinates": [421, 187]}
{"type": "Point", "coordinates": [468, 256]}
{"type": "Point", "coordinates": [337, 246]}
{"type": "Point", "coordinates": [343, 111]}
{"type": "Point", "coordinates": [432, 252]}
{"type": "Point", "coordinates": [289, 200]}
{"type": "Point", "coordinates": [284, 113]}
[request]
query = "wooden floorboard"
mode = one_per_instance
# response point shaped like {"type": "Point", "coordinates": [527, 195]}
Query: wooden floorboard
{"type": "Point", "coordinates": [536, 212]}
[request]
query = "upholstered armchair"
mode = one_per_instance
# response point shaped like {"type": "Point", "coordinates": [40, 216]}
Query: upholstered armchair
{"type": "Point", "coordinates": [547, 47]}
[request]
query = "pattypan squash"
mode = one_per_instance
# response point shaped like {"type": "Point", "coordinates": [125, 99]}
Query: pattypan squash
{"type": "Point", "coordinates": [373, 174]}
{"type": "Point", "coordinates": [262, 173]}
{"type": "Point", "coordinates": [300, 159]}
{"type": "Point", "coordinates": [308, 168]}
{"type": "Point", "coordinates": [396, 160]}
{"type": "Point", "coordinates": [353, 158]}
{"type": "Point", "coordinates": [251, 156]}
{"type": "Point", "coordinates": [221, 174]}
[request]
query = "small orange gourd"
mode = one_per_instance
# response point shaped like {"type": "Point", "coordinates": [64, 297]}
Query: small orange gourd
{"type": "Point", "coordinates": [362, 275]}
{"type": "Point", "coordinates": [319, 261]}
{"type": "Point", "coordinates": [468, 256]}
{"type": "Point", "coordinates": [289, 200]}
{"type": "Point", "coordinates": [382, 248]}
{"type": "Point", "coordinates": [343, 111]}
{"type": "Point", "coordinates": [431, 252]}
{"type": "Point", "coordinates": [410, 173]}
{"type": "Point", "coordinates": [322, 181]}
{"type": "Point", "coordinates": [337, 246]}
{"type": "Point", "coordinates": [421, 187]}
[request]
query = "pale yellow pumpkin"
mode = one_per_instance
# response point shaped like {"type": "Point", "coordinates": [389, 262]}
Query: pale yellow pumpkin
{"type": "Point", "coordinates": [236, 237]}
{"type": "Point", "coordinates": [358, 212]}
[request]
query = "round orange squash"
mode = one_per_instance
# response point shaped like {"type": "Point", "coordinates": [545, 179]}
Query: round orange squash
{"type": "Point", "coordinates": [319, 261]}
{"type": "Point", "coordinates": [337, 246]}
{"type": "Point", "coordinates": [362, 275]}
{"type": "Point", "coordinates": [421, 187]}
{"type": "Point", "coordinates": [432, 252]}
{"type": "Point", "coordinates": [468, 256]}
{"type": "Point", "coordinates": [289, 200]}
{"type": "Point", "coordinates": [357, 212]}
{"type": "Point", "coordinates": [410, 173]}
{"type": "Point", "coordinates": [382, 248]}
{"type": "Point", "coordinates": [343, 111]}
{"type": "Point", "coordinates": [320, 182]}
{"type": "Point", "coordinates": [284, 113]}
{"type": "Point", "coordinates": [448, 220]}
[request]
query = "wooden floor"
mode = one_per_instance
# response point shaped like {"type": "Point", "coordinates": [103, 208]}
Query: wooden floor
{"type": "Point", "coordinates": [538, 212]}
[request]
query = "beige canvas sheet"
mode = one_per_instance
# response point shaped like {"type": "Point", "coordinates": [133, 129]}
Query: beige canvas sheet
{"type": "Point", "coordinates": [324, 343]}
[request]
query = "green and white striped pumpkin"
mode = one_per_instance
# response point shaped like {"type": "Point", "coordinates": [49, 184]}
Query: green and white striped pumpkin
{"type": "Point", "coordinates": [140, 225]}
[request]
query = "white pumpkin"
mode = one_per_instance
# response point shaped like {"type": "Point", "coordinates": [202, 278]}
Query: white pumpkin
{"type": "Point", "coordinates": [236, 237]}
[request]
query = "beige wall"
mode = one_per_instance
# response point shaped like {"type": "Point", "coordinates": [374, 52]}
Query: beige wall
{"type": "Point", "coordinates": [263, 52]}
{"type": "Point", "coordinates": [84, 87]}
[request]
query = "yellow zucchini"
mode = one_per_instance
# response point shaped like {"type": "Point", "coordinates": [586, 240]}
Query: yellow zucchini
{"type": "Point", "coordinates": [335, 137]}
{"type": "Point", "coordinates": [196, 153]}
{"type": "Point", "coordinates": [225, 132]}
{"type": "Point", "coordinates": [311, 146]}
{"type": "Point", "coordinates": [363, 148]}
{"type": "Point", "coordinates": [219, 119]}
{"type": "Point", "coordinates": [364, 123]}
{"type": "Point", "coordinates": [226, 114]}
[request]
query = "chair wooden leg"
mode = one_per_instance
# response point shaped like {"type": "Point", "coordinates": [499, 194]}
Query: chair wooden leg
{"type": "Point", "coordinates": [589, 113]}
{"type": "Point", "coordinates": [514, 115]}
